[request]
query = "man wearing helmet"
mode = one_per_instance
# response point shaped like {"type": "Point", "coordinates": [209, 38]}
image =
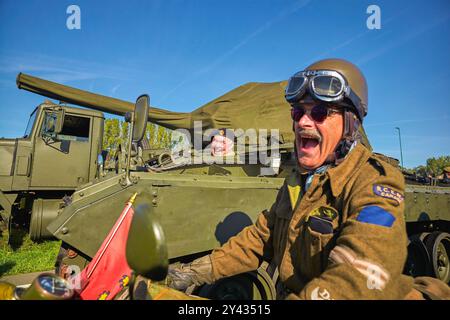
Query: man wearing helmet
{"type": "Point", "coordinates": [336, 230]}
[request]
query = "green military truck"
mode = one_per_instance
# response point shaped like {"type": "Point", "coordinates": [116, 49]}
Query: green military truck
{"type": "Point", "coordinates": [58, 153]}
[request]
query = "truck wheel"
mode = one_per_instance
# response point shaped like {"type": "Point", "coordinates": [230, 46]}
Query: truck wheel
{"type": "Point", "coordinates": [438, 245]}
{"type": "Point", "coordinates": [418, 262]}
{"type": "Point", "coordinates": [69, 261]}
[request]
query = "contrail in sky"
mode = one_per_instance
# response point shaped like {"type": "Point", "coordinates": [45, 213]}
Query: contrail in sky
{"type": "Point", "coordinates": [403, 40]}
{"type": "Point", "coordinates": [288, 11]}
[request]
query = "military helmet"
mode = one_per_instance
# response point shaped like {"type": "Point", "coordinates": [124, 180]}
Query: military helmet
{"type": "Point", "coordinates": [331, 80]}
{"type": "Point", "coordinates": [354, 77]}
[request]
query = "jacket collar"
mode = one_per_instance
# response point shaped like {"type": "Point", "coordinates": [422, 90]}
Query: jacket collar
{"type": "Point", "coordinates": [341, 174]}
{"type": "Point", "coordinates": [338, 175]}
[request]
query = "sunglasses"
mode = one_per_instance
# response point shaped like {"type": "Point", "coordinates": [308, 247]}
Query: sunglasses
{"type": "Point", "coordinates": [318, 113]}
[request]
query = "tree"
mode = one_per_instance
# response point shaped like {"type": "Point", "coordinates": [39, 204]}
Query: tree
{"type": "Point", "coordinates": [150, 134]}
{"type": "Point", "coordinates": [111, 135]}
{"type": "Point", "coordinates": [124, 134]}
{"type": "Point", "coordinates": [436, 165]}
{"type": "Point", "coordinates": [158, 136]}
{"type": "Point", "coordinates": [116, 133]}
{"type": "Point", "coordinates": [421, 171]}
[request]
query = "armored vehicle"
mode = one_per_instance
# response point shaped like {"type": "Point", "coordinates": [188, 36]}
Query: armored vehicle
{"type": "Point", "coordinates": [202, 204]}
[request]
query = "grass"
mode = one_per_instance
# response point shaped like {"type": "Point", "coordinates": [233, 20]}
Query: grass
{"type": "Point", "coordinates": [26, 256]}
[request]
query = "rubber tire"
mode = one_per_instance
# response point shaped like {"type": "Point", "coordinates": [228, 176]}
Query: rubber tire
{"type": "Point", "coordinates": [430, 242]}
{"type": "Point", "coordinates": [415, 243]}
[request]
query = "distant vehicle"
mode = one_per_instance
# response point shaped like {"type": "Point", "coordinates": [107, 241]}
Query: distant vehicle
{"type": "Point", "coordinates": [424, 180]}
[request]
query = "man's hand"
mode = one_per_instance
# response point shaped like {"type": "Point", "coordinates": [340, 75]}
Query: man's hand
{"type": "Point", "coordinates": [197, 273]}
{"type": "Point", "coordinates": [180, 277]}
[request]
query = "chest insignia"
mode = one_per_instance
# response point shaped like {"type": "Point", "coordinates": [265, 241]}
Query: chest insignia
{"type": "Point", "coordinates": [320, 219]}
{"type": "Point", "coordinates": [328, 213]}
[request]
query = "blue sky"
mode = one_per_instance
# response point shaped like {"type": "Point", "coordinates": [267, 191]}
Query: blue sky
{"type": "Point", "coordinates": [186, 53]}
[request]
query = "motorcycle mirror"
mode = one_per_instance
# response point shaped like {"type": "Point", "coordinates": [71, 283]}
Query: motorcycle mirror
{"type": "Point", "coordinates": [146, 245]}
{"type": "Point", "coordinates": [140, 117]}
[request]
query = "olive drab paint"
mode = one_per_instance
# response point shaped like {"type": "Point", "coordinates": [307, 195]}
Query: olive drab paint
{"type": "Point", "coordinates": [43, 167]}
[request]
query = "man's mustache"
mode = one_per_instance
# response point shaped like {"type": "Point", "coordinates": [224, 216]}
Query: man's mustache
{"type": "Point", "coordinates": [309, 133]}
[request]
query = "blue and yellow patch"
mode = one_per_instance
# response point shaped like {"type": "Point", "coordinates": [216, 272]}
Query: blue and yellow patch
{"type": "Point", "coordinates": [329, 213]}
{"type": "Point", "coordinates": [376, 215]}
{"type": "Point", "coordinates": [388, 193]}
{"type": "Point", "coordinates": [321, 219]}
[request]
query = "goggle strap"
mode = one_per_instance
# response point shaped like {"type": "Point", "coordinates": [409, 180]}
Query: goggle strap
{"type": "Point", "coordinates": [347, 125]}
{"type": "Point", "coordinates": [353, 97]}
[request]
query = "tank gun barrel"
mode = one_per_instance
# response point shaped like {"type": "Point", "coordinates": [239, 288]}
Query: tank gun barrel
{"type": "Point", "coordinates": [72, 95]}
{"type": "Point", "coordinates": [60, 92]}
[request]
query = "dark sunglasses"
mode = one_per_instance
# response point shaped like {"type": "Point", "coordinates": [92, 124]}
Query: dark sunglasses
{"type": "Point", "coordinates": [318, 113]}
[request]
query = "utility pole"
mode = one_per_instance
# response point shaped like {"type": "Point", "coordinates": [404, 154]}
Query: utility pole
{"type": "Point", "coordinates": [400, 140]}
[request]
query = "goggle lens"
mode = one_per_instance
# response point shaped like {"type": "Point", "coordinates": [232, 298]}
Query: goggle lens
{"type": "Point", "coordinates": [295, 84]}
{"type": "Point", "coordinates": [318, 113]}
{"type": "Point", "coordinates": [327, 86]}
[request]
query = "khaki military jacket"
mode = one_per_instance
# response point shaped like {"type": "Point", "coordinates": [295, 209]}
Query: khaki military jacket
{"type": "Point", "coordinates": [344, 238]}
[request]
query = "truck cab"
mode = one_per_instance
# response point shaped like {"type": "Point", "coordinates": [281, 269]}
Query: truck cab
{"type": "Point", "coordinates": [58, 152]}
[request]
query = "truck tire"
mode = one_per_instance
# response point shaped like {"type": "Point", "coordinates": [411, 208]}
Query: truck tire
{"type": "Point", "coordinates": [438, 246]}
{"type": "Point", "coordinates": [418, 261]}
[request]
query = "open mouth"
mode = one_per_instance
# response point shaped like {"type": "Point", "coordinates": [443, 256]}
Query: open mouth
{"type": "Point", "coordinates": [309, 140]}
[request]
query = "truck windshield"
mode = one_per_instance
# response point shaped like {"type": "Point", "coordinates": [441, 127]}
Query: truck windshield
{"type": "Point", "coordinates": [30, 124]}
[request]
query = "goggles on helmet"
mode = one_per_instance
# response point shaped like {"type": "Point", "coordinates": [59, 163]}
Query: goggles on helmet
{"type": "Point", "coordinates": [324, 85]}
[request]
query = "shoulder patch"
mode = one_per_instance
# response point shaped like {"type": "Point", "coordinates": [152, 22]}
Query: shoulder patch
{"type": "Point", "coordinates": [376, 215]}
{"type": "Point", "coordinates": [388, 193]}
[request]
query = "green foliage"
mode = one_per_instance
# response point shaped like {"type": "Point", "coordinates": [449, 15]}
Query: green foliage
{"type": "Point", "coordinates": [116, 133]}
{"type": "Point", "coordinates": [124, 126]}
{"type": "Point", "coordinates": [111, 135]}
{"type": "Point", "coordinates": [29, 257]}
{"type": "Point", "coordinates": [421, 171]}
{"type": "Point", "coordinates": [436, 165]}
{"type": "Point", "coordinates": [158, 137]}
